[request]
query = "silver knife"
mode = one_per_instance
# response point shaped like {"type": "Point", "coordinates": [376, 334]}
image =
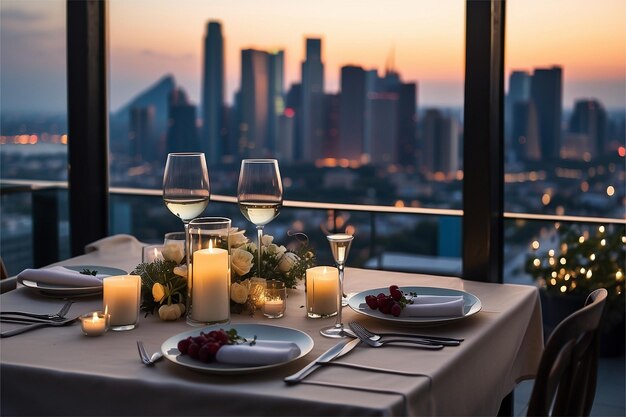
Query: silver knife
{"type": "Point", "coordinates": [334, 352]}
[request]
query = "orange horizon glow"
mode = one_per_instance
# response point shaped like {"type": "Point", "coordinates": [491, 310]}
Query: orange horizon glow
{"type": "Point", "coordinates": [425, 40]}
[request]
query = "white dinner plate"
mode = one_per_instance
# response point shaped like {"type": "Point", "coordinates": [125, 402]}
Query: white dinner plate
{"type": "Point", "coordinates": [471, 305]}
{"type": "Point", "coordinates": [249, 331]}
{"type": "Point", "coordinates": [68, 291]}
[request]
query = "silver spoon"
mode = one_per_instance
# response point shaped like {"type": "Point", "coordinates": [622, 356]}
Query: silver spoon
{"type": "Point", "coordinates": [147, 360]}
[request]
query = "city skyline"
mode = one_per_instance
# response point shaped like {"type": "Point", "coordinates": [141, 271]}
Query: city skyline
{"type": "Point", "coordinates": [425, 39]}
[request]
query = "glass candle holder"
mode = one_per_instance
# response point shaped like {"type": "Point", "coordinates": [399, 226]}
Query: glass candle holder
{"type": "Point", "coordinates": [174, 247]}
{"type": "Point", "coordinates": [121, 297]}
{"type": "Point", "coordinates": [208, 297]}
{"type": "Point", "coordinates": [275, 299]}
{"type": "Point", "coordinates": [95, 323]}
{"type": "Point", "coordinates": [322, 289]}
{"type": "Point", "coordinates": [151, 253]}
{"type": "Point", "coordinates": [257, 291]}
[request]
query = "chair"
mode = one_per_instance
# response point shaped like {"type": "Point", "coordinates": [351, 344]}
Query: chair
{"type": "Point", "coordinates": [566, 380]}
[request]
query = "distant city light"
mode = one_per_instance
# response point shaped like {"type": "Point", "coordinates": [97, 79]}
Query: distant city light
{"type": "Point", "coordinates": [535, 244]}
{"type": "Point", "coordinates": [545, 199]}
{"type": "Point", "coordinates": [610, 190]}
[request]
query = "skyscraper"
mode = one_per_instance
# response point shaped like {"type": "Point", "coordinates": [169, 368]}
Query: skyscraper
{"type": "Point", "coordinates": [546, 92]}
{"type": "Point", "coordinates": [182, 135]}
{"type": "Point", "coordinates": [254, 104]}
{"type": "Point", "coordinates": [441, 143]}
{"type": "Point", "coordinates": [589, 118]}
{"type": "Point", "coordinates": [143, 145]}
{"type": "Point", "coordinates": [312, 114]}
{"type": "Point", "coordinates": [383, 127]}
{"type": "Point", "coordinates": [352, 113]}
{"type": "Point", "coordinates": [519, 92]}
{"type": "Point", "coordinates": [276, 97]}
{"type": "Point", "coordinates": [213, 126]}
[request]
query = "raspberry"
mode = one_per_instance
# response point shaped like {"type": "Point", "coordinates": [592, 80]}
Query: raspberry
{"type": "Point", "coordinates": [396, 309]}
{"type": "Point", "coordinates": [193, 350]}
{"type": "Point", "coordinates": [183, 345]}
{"type": "Point", "coordinates": [204, 353]}
{"type": "Point", "coordinates": [393, 288]}
{"type": "Point", "coordinates": [371, 301]}
{"type": "Point", "coordinates": [396, 294]}
{"type": "Point", "coordinates": [383, 303]}
{"type": "Point", "coordinates": [213, 348]}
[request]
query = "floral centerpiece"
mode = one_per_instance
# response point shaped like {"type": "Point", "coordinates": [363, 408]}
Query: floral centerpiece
{"type": "Point", "coordinates": [164, 284]}
{"type": "Point", "coordinates": [277, 263]}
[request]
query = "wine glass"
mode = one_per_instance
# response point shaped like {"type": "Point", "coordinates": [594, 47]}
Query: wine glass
{"type": "Point", "coordinates": [186, 189]}
{"type": "Point", "coordinates": [340, 247]}
{"type": "Point", "coordinates": [260, 195]}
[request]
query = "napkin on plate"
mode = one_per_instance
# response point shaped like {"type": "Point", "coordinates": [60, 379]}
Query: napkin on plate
{"type": "Point", "coordinates": [58, 275]}
{"type": "Point", "coordinates": [263, 352]}
{"type": "Point", "coordinates": [434, 306]}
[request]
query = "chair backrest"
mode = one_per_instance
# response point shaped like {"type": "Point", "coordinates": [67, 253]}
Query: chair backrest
{"type": "Point", "coordinates": [565, 384]}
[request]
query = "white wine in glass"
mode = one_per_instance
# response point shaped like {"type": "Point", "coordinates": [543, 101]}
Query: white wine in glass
{"type": "Point", "coordinates": [186, 190]}
{"type": "Point", "coordinates": [340, 247]}
{"type": "Point", "coordinates": [260, 195]}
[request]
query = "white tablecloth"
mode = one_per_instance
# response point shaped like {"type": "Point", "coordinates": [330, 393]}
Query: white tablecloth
{"type": "Point", "coordinates": [58, 371]}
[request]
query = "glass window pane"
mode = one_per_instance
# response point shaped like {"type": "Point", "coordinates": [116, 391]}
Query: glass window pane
{"type": "Point", "coordinates": [33, 119]}
{"type": "Point", "coordinates": [361, 103]}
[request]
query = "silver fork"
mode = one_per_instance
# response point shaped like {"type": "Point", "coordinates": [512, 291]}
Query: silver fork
{"type": "Point", "coordinates": [58, 316]}
{"type": "Point", "coordinates": [51, 323]}
{"type": "Point", "coordinates": [439, 340]}
{"type": "Point", "coordinates": [422, 344]}
{"type": "Point", "coordinates": [145, 358]}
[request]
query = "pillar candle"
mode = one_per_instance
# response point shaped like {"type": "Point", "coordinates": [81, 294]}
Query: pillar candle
{"type": "Point", "coordinates": [322, 286]}
{"type": "Point", "coordinates": [210, 299]}
{"type": "Point", "coordinates": [121, 299]}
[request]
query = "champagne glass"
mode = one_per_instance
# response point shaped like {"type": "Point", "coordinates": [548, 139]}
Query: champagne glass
{"type": "Point", "coordinates": [186, 189]}
{"type": "Point", "coordinates": [260, 195]}
{"type": "Point", "coordinates": [340, 247]}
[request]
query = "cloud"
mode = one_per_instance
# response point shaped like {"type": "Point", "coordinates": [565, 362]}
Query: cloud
{"type": "Point", "coordinates": [21, 15]}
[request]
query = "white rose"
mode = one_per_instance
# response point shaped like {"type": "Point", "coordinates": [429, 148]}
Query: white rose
{"type": "Point", "coordinates": [237, 238]}
{"type": "Point", "coordinates": [174, 252]}
{"type": "Point", "coordinates": [271, 249]}
{"type": "Point", "coordinates": [288, 260]}
{"type": "Point", "coordinates": [181, 270]}
{"type": "Point", "coordinates": [241, 261]}
{"type": "Point", "coordinates": [267, 240]}
{"type": "Point", "coordinates": [238, 293]}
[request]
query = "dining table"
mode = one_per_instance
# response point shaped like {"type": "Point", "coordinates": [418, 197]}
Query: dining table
{"type": "Point", "coordinates": [60, 371]}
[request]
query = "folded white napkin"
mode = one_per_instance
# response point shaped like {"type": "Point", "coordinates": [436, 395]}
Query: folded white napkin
{"type": "Point", "coordinates": [263, 352]}
{"type": "Point", "coordinates": [434, 306]}
{"type": "Point", "coordinates": [58, 275]}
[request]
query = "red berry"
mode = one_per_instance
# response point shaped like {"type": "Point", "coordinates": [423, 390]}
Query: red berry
{"type": "Point", "coordinates": [396, 294]}
{"type": "Point", "coordinates": [371, 301]}
{"type": "Point", "coordinates": [213, 348]}
{"type": "Point", "coordinates": [193, 350]}
{"type": "Point", "coordinates": [183, 345]}
{"type": "Point", "coordinates": [393, 288]}
{"type": "Point", "coordinates": [204, 353]}
{"type": "Point", "coordinates": [396, 309]}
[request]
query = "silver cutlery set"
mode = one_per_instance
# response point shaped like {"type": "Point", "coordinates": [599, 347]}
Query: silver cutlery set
{"type": "Point", "coordinates": [32, 321]}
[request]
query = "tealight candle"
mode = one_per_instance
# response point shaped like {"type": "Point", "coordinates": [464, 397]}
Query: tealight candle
{"type": "Point", "coordinates": [151, 253]}
{"type": "Point", "coordinates": [121, 300]}
{"type": "Point", "coordinates": [275, 299]}
{"type": "Point", "coordinates": [322, 289]}
{"type": "Point", "coordinates": [94, 324]}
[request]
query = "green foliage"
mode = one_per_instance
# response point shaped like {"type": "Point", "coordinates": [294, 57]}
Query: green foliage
{"type": "Point", "coordinates": [161, 272]}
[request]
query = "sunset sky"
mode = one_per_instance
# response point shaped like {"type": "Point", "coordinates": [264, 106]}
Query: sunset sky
{"type": "Point", "coordinates": [151, 38]}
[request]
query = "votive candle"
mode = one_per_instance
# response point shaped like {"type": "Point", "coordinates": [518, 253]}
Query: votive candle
{"type": "Point", "coordinates": [94, 324]}
{"type": "Point", "coordinates": [121, 300]}
{"type": "Point", "coordinates": [322, 289]}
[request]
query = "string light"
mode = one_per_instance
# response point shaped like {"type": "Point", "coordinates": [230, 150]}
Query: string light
{"type": "Point", "coordinates": [603, 242]}
{"type": "Point", "coordinates": [592, 257]}
{"type": "Point", "coordinates": [535, 244]}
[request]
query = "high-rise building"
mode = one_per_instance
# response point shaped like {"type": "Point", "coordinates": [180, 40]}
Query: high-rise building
{"type": "Point", "coordinates": [519, 92]}
{"type": "Point", "coordinates": [589, 118]}
{"type": "Point", "coordinates": [352, 113]}
{"type": "Point", "coordinates": [213, 118]}
{"type": "Point", "coordinates": [383, 127]}
{"type": "Point", "coordinates": [331, 126]}
{"type": "Point", "coordinates": [524, 143]}
{"type": "Point", "coordinates": [293, 103]}
{"type": "Point", "coordinates": [255, 98]}
{"type": "Point", "coordinates": [276, 97]}
{"type": "Point", "coordinates": [141, 135]}
{"type": "Point", "coordinates": [441, 143]}
{"type": "Point", "coordinates": [312, 112]}
{"type": "Point", "coordinates": [546, 92]}
{"type": "Point", "coordinates": [182, 134]}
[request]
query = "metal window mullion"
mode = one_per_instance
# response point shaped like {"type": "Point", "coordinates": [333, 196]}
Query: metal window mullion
{"type": "Point", "coordinates": [88, 162]}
